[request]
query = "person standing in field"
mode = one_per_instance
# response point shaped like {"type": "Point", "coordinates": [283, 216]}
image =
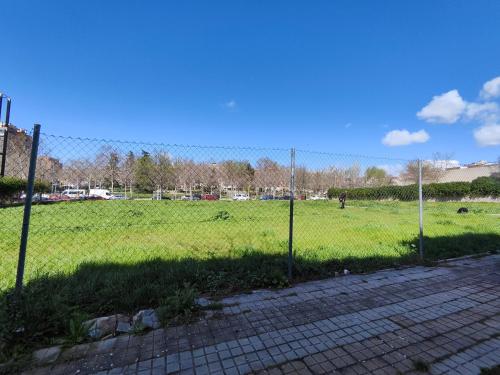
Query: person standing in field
{"type": "Point", "coordinates": [342, 199]}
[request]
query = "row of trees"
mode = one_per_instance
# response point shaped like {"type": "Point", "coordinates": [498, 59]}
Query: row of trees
{"type": "Point", "coordinates": [153, 171]}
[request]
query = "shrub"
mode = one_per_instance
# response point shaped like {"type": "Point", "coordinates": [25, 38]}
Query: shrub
{"type": "Point", "coordinates": [12, 186]}
{"type": "Point", "coordinates": [404, 193]}
{"type": "Point", "coordinates": [222, 215]}
{"type": "Point", "coordinates": [454, 190]}
{"type": "Point", "coordinates": [480, 187]}
{"type": "Point", "coordinates": [179, 306]}
{"type": "Point", "coordinates": [9, 186]}
{"type": "Point", "coordinates": [485, 187]}
{"type": "Point", "coordinates": [78, 331]}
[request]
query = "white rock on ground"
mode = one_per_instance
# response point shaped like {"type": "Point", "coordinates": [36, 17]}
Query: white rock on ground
{"type": "Point", "coordinates": [147, 318]}
{"type": "Point", "coordinates": [123, 327]}
{"type": "Point", "coordinates": [106, 325]}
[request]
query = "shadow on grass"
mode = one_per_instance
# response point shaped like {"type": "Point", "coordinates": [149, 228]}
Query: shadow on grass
{"type": "Point", "coordinates": [445, 247]}
{"type": "Point", "coordinates": [96, 289]}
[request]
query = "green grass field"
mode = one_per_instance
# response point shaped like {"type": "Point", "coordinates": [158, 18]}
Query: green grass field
{"type": "Point", "coordinates": [100, 257]}
{"type": "Point", "coordinates": [64, 235]}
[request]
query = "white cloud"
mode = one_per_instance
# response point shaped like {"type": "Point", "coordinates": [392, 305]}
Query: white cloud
{"type": "Point", "coordinates": [449, 108]}
{"type": "Point", "coordinates": [488, 135]}
{"type": "Point", "coordinates": [231, 104]}
{"type": "Point", "coordinates": [488, 110]}
{"type": "Point", "coordinates": [404, 137]}
{"type": "Point", "coordinates": [446, 108]}
{"type": "Point", "coordinates": [491, 89]}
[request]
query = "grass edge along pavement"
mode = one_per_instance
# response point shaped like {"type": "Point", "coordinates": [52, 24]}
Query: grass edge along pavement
{"type": "Point", "coordinates": [407, 297]}
{"type": "Point", "coordinates": [98, 289]}
{"type": "Point", "coordinates": [62, 318]}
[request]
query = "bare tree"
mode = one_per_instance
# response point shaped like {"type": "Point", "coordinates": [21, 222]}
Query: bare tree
{"type": "Point", "coordinates": [106, 166]}
{"type": "Point", "coordinates": [269, 176]}
{"type": "Point", "coordinates": [185, 172]}
{"type": "Point", "coordinates": [126, 172]}
{"type": "Point", "coordinates": [429, 172]}
{"type": "Point", "coordinates": [238, 174]}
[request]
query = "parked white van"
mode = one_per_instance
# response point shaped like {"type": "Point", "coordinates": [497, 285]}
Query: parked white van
{"type": "Point", "coordinates": [241, 197]}
{"type": "Point", "coordinates": [74, 193]}
{"type": "Point", "coordinates": [103, 193]}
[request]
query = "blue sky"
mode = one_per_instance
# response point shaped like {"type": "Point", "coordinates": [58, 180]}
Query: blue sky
{"type": "Point", "coordinates": [335, 76]}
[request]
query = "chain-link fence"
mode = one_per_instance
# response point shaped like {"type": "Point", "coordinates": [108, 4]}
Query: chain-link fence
{"type": "Point", "coordinates": [16, 149]}
{"type": "Point", "coordinates": [185, 209]}
{"type": "Point", "coordinates": [349, 216]}
{"type": "Point", "coordinates": [462, 211]}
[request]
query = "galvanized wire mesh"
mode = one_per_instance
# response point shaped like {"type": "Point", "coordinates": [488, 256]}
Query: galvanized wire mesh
{"type": "Point", "coordinates": [461, 208]}
{"type": "Point", "coordinates": [112, 202]}
{"type": "Point", "coordinates": [18, 149]}
{"type": "Point", "coordinates": [349, 213]}
{"type": "Point", "coordinates": [128, 202]}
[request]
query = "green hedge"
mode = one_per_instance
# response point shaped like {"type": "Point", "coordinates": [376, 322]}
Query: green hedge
{"type": "Point", "coordinates": [404, 193]}
{"type": "Point", "coordinates": [12, 186]}
{"type": "Point", "coordinates": [480, 187]}
{"type": "Point", "coordinates": [450, 190]}
{"type": "Point", "coordinates": [485, 186]}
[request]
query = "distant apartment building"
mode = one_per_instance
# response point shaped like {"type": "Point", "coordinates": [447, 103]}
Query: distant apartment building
{"type": "Point", "coordinates": [463, 173]}
{"type": "Point", "coordinates": [49, 169]}
{"type": "Point", "coordinates": [17, 152]}
{"type": "Point", "coordinates": [469, 172]}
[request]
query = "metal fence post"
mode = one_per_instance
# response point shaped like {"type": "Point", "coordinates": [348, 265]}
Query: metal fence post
{"type": "Point", "coordinates": [421, 211]}
{"type": "Point", "coordinates": [27, 208]}
{"type": "Point", "coordinates": [5, 138]}
{"type": "Point", "coordinates": [290, 233]}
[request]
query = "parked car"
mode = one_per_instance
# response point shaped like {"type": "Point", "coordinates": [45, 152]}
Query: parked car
{"type": "Point", "coordinates": [74, 193]}
{"type": "Point", "coordinates": [118, 197]}
{"type": "Point", "coordinates": [317, 198]}
{"type": "Point", "coordinates": [40, 198]}
{"type": "Point", "coordinates": [58, 197]}
{"type": "Point", "coordinates": [194, 197]}
{"type": "Point", "coordinates": [209, 197]}
{"type": "Point", "coordinates": [241, 197]}
{"type": "Point", "coordinates": [103, 193]}
{"type": "Point", "coordinates": [266, 198]}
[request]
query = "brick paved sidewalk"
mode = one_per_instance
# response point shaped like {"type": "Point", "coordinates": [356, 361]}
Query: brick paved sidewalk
{"type": "Point", "coordinates": [440, 320]}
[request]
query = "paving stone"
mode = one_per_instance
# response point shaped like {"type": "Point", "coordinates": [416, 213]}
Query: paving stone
{"type": "Point", "coordinates": [377, 323]}
{"type": "Point", "coordinates": [48, 355]}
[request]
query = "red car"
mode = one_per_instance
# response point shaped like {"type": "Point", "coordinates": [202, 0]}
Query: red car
{"type": "Point", "coordinates": [58, 197]}
{"type": "Point", "coordinates": [209, 197]}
